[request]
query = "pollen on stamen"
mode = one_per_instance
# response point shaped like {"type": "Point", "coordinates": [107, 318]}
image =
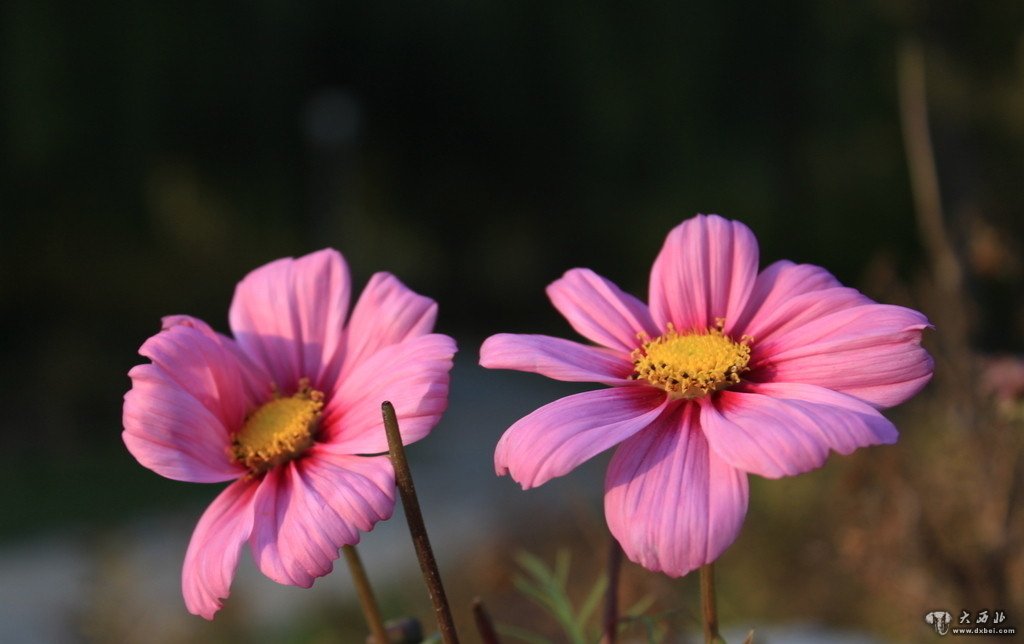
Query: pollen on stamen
{"type": "Point", "coordinates": [694, 364]}
{"type": "Point", "coordinates": [278, 431]}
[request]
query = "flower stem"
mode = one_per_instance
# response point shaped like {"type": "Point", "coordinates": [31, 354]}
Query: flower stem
{"type": "Point", "coordinates": [413, 516]}
{"type": "Point", "coordinates": [365, 592]}
{"type": "Point", "coordinates": [924, 176]}
{"type": "Point", "coordinates": [484, 625]}
{"type": "Point", "coordinates": [708, 604]}
{"type": "Point", "coordinates": [611, 598]}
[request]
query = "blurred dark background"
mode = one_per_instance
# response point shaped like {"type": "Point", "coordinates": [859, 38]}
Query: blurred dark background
{"type": "Point", "coordinates": [153, 153]}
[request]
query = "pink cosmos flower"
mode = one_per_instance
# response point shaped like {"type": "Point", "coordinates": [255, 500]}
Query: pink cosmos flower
{"type": "Point", "coordinates": [727, 372]}
{"type": "Point", "coordinates": [287, 410]}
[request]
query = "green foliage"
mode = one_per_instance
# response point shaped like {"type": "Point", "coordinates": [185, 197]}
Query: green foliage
{"type": "Point", "coordinates": [548, 587]}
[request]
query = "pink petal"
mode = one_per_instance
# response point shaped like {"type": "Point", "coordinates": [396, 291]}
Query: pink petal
{"type": "Point", "coordinates": [786, 429]}
{"type": "Point", "coordinates": [213, 551]}
{"type": "Point", "coordinates": [705, 271]}
{"type": "Point", "coordinates": [387, 313]}
{"type": "Point", "coordinates": [787, 295]}
{"type": "Point", "coordinates": [600, 311]}
{"type": "Point", "coordinates": [360, 489]}
{"type": "Point", "coordinates": [201, 366]}
{"type": "Point", "coordinates": [171, 321]}
{"type": "Point", "coordinates": [259, 386]}
{"type": "Point", "coordinates": [308, 509]}
{"type": "Point", "coordinates": [671, 503]}
{"type": "Point", "coordinates": [555, 358]}
{"type": "Point", "coordinates": [289, 315]}
{"type": "Point", "coordinates": [412, 374]}
{"type": "Point", "coordinates": [556, 438]}
{"type": "Point", "coordinates": [171, 432]}
{"type": "Point", "coordinates": [871, 351]}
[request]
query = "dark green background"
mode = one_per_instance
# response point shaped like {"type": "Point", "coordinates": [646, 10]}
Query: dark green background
{"type": "Point", "coordinates": [153, 153]}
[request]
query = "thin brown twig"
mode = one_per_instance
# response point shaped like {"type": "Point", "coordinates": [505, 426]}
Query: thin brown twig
{"type": "Point", "coordinates": [484, 625]}
{"type": "Point", "coordinates": [611, 598]}
{"type": "Point", "coordinates": [417, 529]}
{"type": "Point", "coordinates": [365, 592]}
{"type": "Point", "coordinates": [924, 177]}
{"type": "Point", "coordinates": [709, 606]}
{"type": "Point", "coordinates": [950, 299]}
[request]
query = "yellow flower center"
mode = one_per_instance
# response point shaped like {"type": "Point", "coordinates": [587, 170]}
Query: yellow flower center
{"type": "Point", "coordinates": [279, 431]}
{"type": "Point", "coordinates": [691, 365]}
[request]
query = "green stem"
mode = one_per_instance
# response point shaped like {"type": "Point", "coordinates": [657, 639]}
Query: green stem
{"type": "Point", "coordinates": [413, 516]}
{"type": "Point", "coordinates": [365, 592]}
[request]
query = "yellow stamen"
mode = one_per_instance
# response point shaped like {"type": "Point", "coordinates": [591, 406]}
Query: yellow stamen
{"type": "Point", "coordinates": [691, 365]}
{"type": "Point", "coordinates": [279, 431]}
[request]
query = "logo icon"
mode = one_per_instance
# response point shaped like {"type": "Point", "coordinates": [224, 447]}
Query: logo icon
{"type": "Point", "coordinates": [939, 620]}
